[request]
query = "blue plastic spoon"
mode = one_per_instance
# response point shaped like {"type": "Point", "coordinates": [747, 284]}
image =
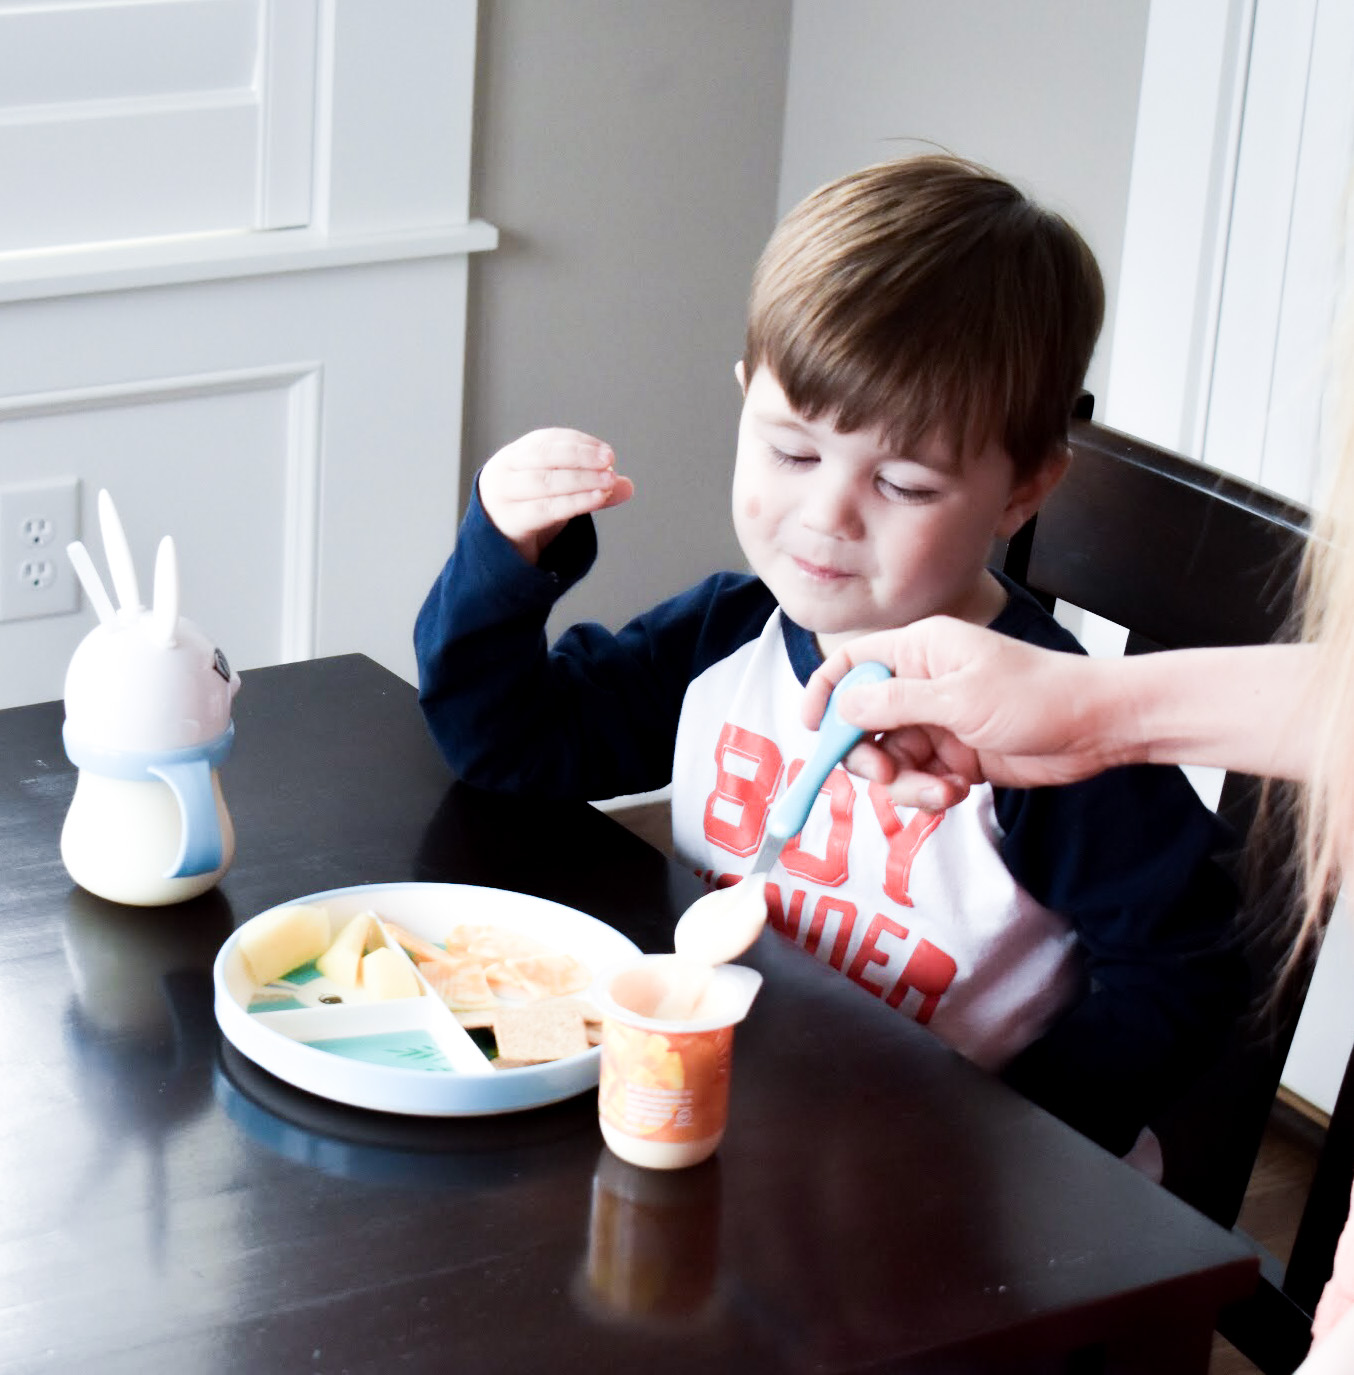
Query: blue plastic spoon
{"type": "Point", "coordinates": [721, 925]}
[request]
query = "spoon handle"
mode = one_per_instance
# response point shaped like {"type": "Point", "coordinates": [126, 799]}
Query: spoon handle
{"type": "Point", "coordinates": [836, 738]}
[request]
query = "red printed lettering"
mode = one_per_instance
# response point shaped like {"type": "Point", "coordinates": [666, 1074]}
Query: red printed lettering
{"type": "Point", "coordinates": [786, 922]}
{"type": "Point", "coordinates": [904, 842]}
{"type": "Point", "coordinates": [930, 971]}
{"type": "Point", "coordinates": [846, 920]}
{"type": "Point", "coordinates": [869, 952]}
{"type": "Point", "coordinates": [749, 795]}
{"type": "Point", "coordinates": [830, 868]}
{"type": "Point", "coordinates": [712, 880]}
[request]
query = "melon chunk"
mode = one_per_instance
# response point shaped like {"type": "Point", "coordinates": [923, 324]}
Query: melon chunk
{"type": "Point", "coordinates": [387, 974]}
{"type": "Point", "coordinates": [278, 942]}
{"type": "Point", "coordinates": [342, 962]}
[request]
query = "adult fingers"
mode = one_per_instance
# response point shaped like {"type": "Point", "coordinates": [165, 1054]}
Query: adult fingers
{"type": "Point", "coordinates": [927, 791]}
{"type": "Point", "coordinates": [908, 653]}
{"type": "Point", "coordinates": [895, 704]}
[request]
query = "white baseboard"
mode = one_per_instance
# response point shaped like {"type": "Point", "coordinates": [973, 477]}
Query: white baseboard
{"type": "Point", "coordinates": [616, 804]}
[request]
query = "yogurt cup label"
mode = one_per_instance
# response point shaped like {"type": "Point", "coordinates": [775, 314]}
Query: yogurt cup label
{"type": "Point", "coordinates": [665, 1086]}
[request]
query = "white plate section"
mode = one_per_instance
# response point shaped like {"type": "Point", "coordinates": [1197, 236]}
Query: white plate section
{"type": "Point", "coordinates": [278, 1041]}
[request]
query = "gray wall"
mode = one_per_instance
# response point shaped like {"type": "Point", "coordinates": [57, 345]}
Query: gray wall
{"type": "Point", "coordinates": [635, 157]}
{"type": "Point", "coordinates": [1043, 91]}
{"type": "Point", "coordinates": [628, 153]}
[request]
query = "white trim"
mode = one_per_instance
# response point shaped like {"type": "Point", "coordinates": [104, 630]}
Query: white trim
{"type": "Point", "coordinates": [287, 79]}
{"type": "Point", "coordinates": [1285, 254]}
{"type": "Point", "coordinates": [46, 7]}
{"type": "Point", "coordinates": [301, 545]}
{"type": "Point", "coordinates": [1180, 190]}
{"type": "Point", "coordinates": [322, 124]}
{"type": "Point", "coordinates": [299, 593]}
{"type": "Point", "coordinates": [29, 276]}
{"type": "Point", "coordinates": [150, 391]}
{"type": "Point", "coordinates": [616, 804]}
{"type": "Point", "coordinates": [129, 107]}
{"type": "Point", "coordinates": [1258, 237]}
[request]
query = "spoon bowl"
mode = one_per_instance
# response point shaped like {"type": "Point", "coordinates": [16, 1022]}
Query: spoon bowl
{"type": "Point", "coordinates": [722, 925]}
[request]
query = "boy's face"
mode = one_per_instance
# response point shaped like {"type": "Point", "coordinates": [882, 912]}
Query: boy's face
{"type": "Point", "coordinates": [851, 537]}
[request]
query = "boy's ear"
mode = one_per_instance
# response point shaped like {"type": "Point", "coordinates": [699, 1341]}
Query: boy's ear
{"type": "Point", "coordinates": [738, 373]}
{"type": "Point", "coordinates": [1030, 492]}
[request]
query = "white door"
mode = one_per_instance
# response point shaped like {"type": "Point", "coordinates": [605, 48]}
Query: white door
{"type": "Point", "coordinates": [232, 291]}
{"type": "Point", "coordinates": [1235, 259]}
{"type": "Point", "coordinates": [121, 121]}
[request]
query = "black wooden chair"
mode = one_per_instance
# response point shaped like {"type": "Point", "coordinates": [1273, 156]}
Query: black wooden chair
{"type": "Point", "coordinates": [1183, 556]}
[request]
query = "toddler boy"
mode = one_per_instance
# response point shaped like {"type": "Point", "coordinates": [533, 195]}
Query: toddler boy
{"type": "Point", "coordinates": [918, 332]}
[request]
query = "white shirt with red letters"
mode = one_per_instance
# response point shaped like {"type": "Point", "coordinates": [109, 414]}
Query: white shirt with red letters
{"type": "Point", "coordinates": [920, 910]}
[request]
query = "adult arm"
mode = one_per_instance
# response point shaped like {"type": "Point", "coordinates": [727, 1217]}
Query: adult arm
{"type": "Point", "coordinates": [967, 704]}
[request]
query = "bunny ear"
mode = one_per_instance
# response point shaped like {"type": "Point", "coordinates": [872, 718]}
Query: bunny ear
{"type": "Point", "coordinates": [91, 582]}
{"type": "Point", "coordinates": [165, 612]}
{"type": "Point", "coordinates": [119, 557]}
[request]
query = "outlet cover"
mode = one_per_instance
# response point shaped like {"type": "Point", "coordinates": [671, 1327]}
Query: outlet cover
{"type": "Point", "coordinates": [37, 521]}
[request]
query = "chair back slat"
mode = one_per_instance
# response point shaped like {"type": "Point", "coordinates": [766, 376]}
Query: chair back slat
{"type": "Point", "coordinates": [1186, 557]}
{"type": "Point", "coordinates": [1179, 554]}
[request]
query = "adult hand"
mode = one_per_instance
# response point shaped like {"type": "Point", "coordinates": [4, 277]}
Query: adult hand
{"type": "Point", "coordinates": [534, 486]}
{"type": "Point", "coordinates": [966, 705]}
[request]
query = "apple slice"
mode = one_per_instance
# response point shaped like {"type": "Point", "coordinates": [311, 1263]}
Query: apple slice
{"type": "Point", "coordinates": [277, 943]}
{"type": "Point", "coordinates": [386, 973]}
{"type": "Point", "coordinates": [342, 962]}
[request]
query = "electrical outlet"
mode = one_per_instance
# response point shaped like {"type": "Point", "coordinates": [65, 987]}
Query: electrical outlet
{"type": "Point", "coordinates": [37, 521]}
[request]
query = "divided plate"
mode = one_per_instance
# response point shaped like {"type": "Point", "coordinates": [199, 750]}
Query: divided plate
{"type": "Point", "coordinates": [408, 1055]}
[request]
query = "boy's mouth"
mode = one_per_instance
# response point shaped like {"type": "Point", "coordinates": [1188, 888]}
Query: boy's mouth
{"type": "Point", "coordinates": [819, 572]}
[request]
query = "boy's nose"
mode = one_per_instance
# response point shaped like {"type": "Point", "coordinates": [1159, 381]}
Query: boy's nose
{"type": "Point", "coordinates": [830, 508]}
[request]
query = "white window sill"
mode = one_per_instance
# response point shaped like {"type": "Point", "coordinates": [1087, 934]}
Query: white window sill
{"type": "Point", "coordinates": [88, 268]}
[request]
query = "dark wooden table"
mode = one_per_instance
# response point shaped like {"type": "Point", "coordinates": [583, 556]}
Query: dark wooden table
{"type": "Point", "coordinates": [878, 1203]}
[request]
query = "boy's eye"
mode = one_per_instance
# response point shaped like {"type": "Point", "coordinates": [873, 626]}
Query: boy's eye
{"type": "Point", "coordinates": [785, 460]}
{"type": "Point", "coordinates": [892, 491]}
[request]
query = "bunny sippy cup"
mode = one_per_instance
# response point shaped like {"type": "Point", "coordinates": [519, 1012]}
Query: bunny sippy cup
{"type": "Point", "coordinates": [147, 726]}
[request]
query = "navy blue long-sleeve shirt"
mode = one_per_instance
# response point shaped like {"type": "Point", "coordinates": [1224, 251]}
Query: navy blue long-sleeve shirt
{"type": "Point", "coordinates": [1100, 985]}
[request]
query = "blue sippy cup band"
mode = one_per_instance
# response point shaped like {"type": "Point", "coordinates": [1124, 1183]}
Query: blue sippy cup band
{"type": "Point", "coordinates": [142, 766]}
{"type": "Point", "coordinates": [188, 772]}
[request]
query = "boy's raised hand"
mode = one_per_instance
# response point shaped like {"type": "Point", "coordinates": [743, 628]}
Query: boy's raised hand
{"type": "Point", "coordinates": [534, 486]}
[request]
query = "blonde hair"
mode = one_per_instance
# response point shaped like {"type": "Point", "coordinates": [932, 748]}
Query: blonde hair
{"type": "Point", "coordinates": [929, 294]}
{"type": "Point", "coordinates": [1326, 802]}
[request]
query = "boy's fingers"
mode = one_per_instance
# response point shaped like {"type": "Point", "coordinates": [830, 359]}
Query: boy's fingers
{"type": "Point", "coordinates": [530, 484]}
{"type": "Point", "coordinates": [621, 492]}
{"type": "Point", "coordinates": [558, 449]}
{"type": "Point", "coordinates": [553, 510]}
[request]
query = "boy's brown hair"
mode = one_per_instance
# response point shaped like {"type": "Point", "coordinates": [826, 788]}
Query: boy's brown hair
{"type": "Point", "coordinates": [928, 294]}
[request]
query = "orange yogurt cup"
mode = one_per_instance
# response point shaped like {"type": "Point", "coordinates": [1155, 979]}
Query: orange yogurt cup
{"type": "Point", "coordinates": [663, 1099]}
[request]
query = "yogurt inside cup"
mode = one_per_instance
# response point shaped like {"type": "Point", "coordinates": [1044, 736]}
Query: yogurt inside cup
{"type": "Point", "coordinates": [663, 1099]}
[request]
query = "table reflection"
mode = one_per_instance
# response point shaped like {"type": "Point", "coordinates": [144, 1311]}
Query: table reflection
{"type": "Point", "coordinates": [653, 1244]}
{"type": "Point", "coordinates": [408, 1152]}
{"type": "Point", "coordinates": [139, 1031]}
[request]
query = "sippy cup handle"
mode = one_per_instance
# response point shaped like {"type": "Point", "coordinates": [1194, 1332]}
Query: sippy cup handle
{"type": "Point", "coordinates": [200, 843]}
